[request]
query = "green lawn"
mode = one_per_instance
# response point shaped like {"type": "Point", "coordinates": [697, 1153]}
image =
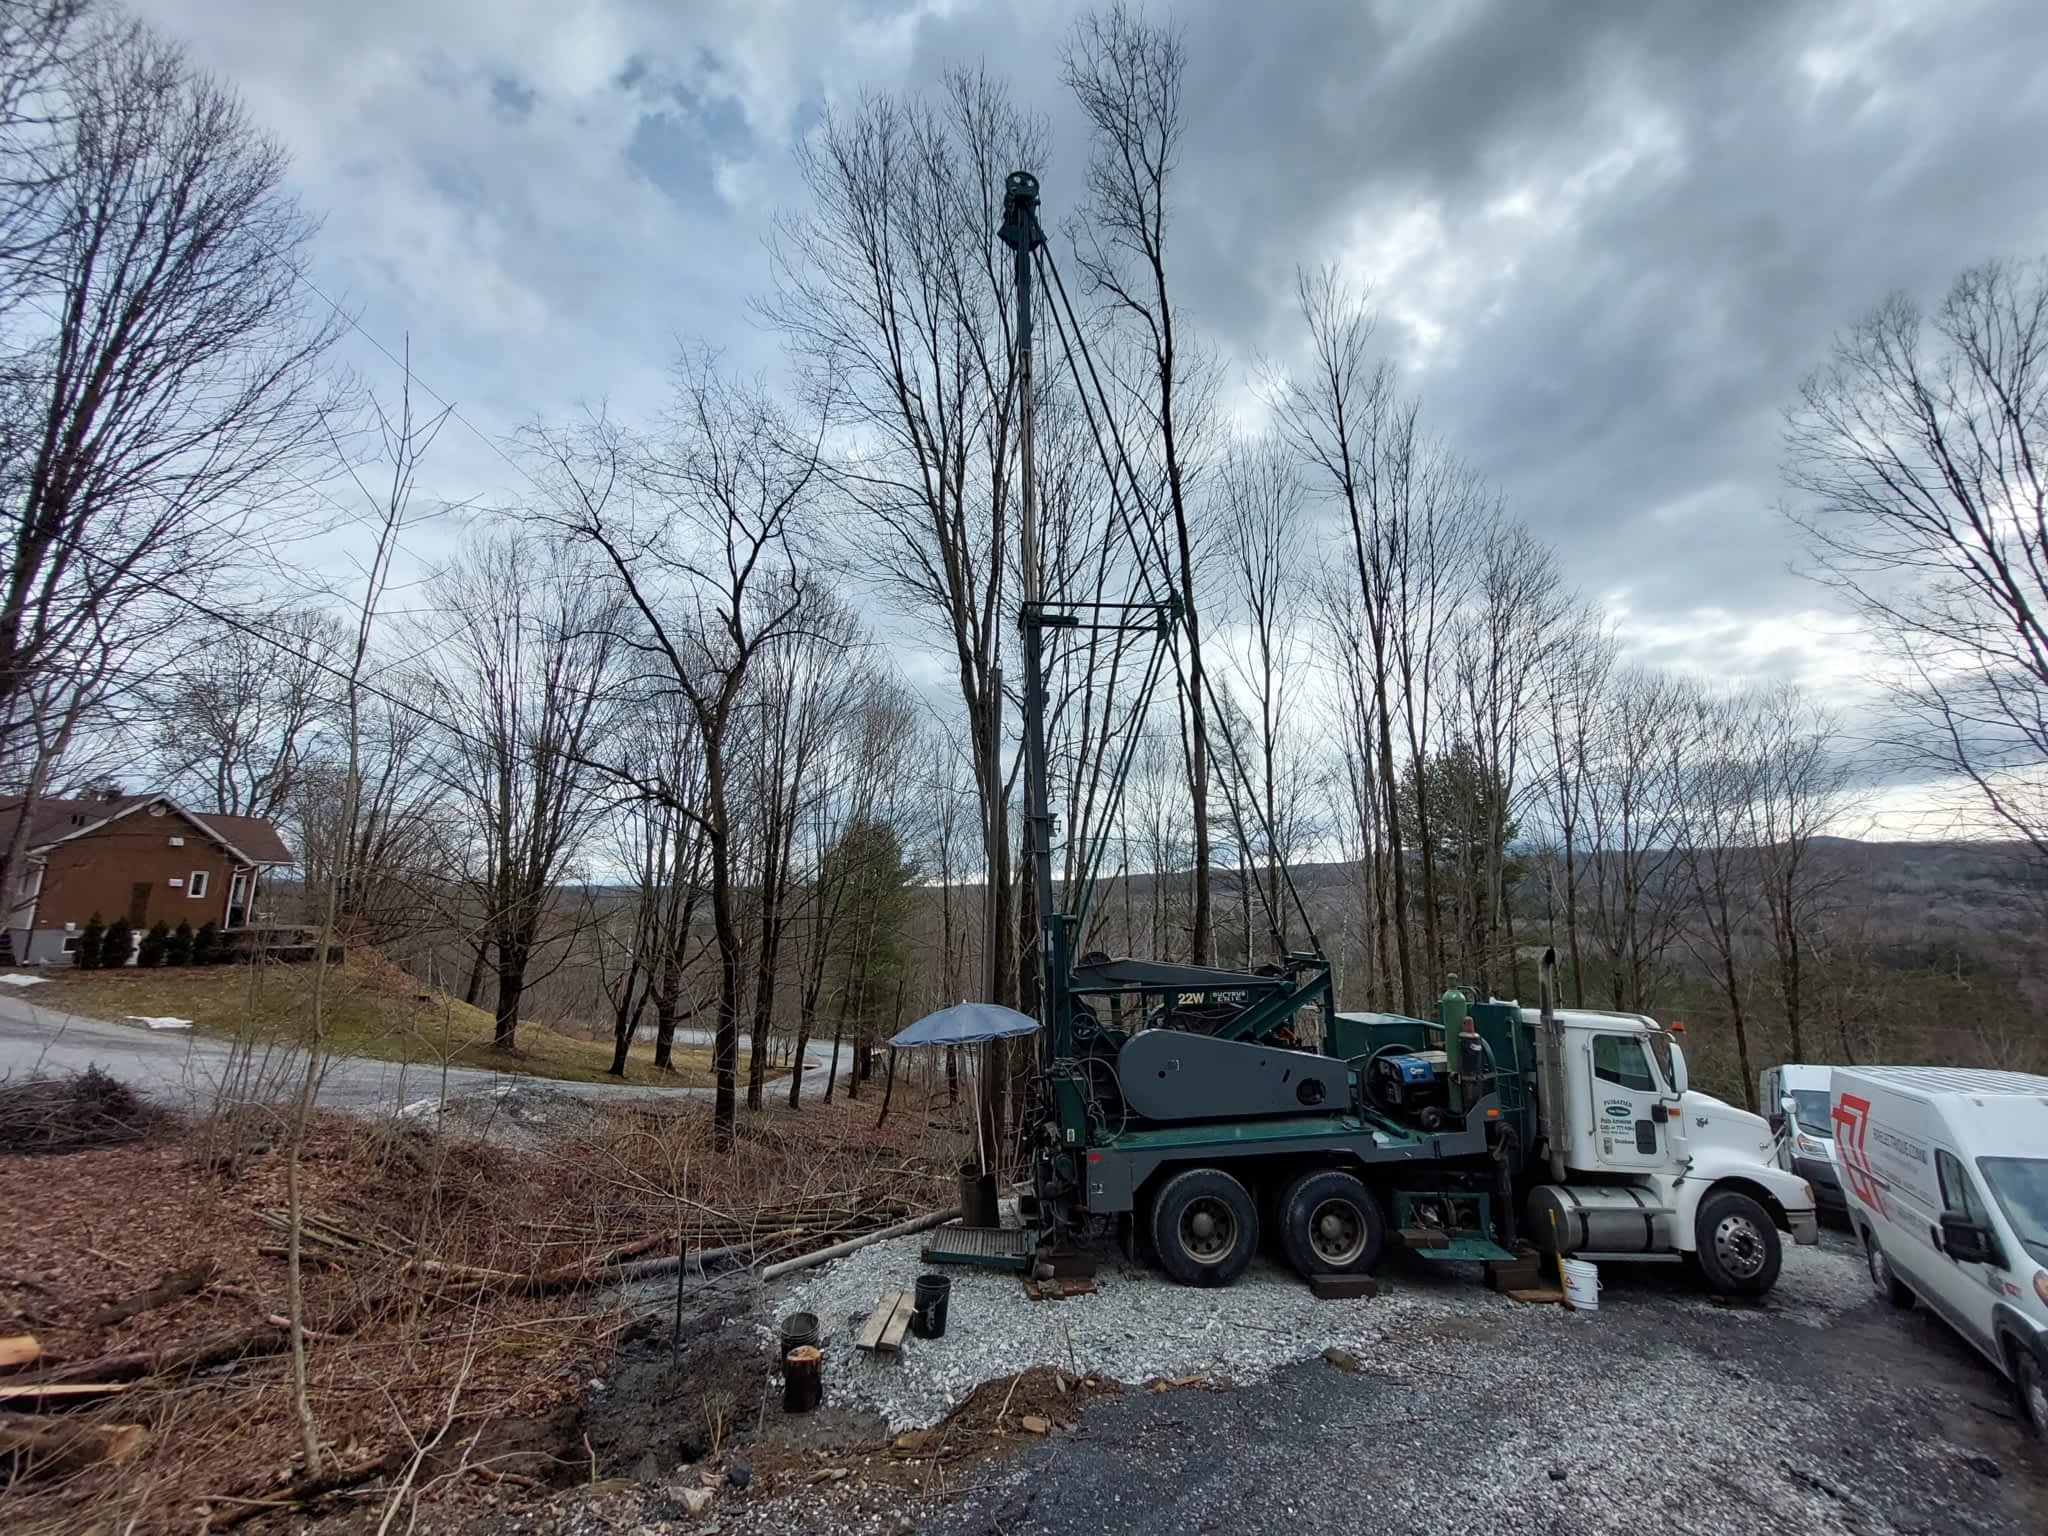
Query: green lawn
{"type": "Point", "coordinates": [371, 1009]}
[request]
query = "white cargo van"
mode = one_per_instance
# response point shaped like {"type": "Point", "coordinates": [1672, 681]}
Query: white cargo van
{"type": "Point", "coordinates": [1794, 1098]}
{"type": "Point", "coordinates": [1946, 1174]}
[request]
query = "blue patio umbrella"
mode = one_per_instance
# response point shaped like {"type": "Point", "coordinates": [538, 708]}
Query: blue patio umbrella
{"type": "Point", "coordinates": [966, 1024]}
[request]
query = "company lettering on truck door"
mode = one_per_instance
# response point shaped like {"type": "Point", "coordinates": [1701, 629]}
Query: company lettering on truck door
{"type": "Point", "coordinates": [1881, 1161]}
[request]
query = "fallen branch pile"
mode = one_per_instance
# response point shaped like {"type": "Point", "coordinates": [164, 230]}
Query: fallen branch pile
{"type": "Point", "coordinates": [71, 1114]}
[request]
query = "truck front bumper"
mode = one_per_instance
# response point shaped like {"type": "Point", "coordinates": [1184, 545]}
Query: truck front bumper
{"type": "Point", "coordinates": [1805, 1226]}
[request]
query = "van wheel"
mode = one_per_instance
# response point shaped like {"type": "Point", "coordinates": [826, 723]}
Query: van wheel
{"type": "Point", "coordinates": [1330, 1225]}
{"type": "Point", "coordinates": [1889, 1285]}
{"type": "Point", "coordinates": [2030, 1385]}
{"type": "Point", "coordinates": [1205, 1227]}
{"type": "Point", "coordinates": [1737, 1245]}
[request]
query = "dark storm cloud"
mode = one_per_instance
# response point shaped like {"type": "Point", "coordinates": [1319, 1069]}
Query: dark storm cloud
{"type": "Point", "coordinates": [1715, 190]}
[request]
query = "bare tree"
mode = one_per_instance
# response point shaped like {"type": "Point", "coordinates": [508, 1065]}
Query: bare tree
{"type": "Point", "coordinates": [243, 708]}
{"type": "Point", "coordinates": [1722, 781]}
{"type": "Point", "coordinates": [1570, 686]}
{"type": "Point", "coordinates": [801, 692]}
{"type": "Point", "coordinates": [1125, 72]}
{"type": "Point", "coordinates": [522, 682]}
{"type": "Point", "coordinates": [696, 529]}
{"type": "Point", "coordinates": [1341, 417]}
{"type": "Point", "coordinates": [1264, 528]}
{"type": "Point", "coordinates": [163, 376]}
{"type": "Point", "coordinates": [1802, 781]}
{"type": "Point", "coordinates": [1921, 448]}
{"type": "Point", "coordinates": [40, 42]}
{"type": "Point", "coordinates": [1635, 814]}
{"type": "Point", "coordinates": [892, 285]}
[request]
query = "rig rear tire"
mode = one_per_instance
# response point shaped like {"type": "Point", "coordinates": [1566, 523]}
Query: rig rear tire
{"type": "Point", "coordinates": [1205, 1227]}
{"type": "Point", "coordinates": [1330, 1224]}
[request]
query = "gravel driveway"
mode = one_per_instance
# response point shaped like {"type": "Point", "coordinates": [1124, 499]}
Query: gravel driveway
{"type": "Point", "coordinates": [1660, 1412]}
{"type": "Point", "coordinates": [1448, 1409]}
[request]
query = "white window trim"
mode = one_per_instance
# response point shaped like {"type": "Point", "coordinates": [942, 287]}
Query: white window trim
{"type": "Point", "coordinates": [196, 884]}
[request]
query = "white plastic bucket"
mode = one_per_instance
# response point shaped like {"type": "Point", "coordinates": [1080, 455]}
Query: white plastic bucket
{"type": "Point", "coordinates": [1581, 1285]}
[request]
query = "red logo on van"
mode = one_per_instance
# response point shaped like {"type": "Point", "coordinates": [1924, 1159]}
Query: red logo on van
{"type": "Point", "coordinates": [1851, 1117]}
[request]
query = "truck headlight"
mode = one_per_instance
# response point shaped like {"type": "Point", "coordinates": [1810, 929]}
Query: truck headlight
{"type": "Point", "coordinates": [2041, 1285]}
{"type": "Point", "coordinates": [1804, 1145]}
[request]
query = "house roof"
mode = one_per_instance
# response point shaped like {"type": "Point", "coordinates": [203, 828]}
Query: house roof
{"type": "Point", "coordinates": [253, 839]}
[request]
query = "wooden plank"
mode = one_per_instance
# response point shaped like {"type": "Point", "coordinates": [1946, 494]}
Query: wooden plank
{"type": "Point", "coordinates": [1343, 1287]}
{"type": "Point", "coordinates": [18, 1350]}
{"type": "Point", "coordinates": [1535, 1295]}
{"type": "Point", "coordinates": [892, 1334]}
{"type": "Point", "coordinates": [880, 1318]}
{"type": "Point", "coordinates": [1424, 1237]}
{"type": "Point", "coordinates": [47, 1391]}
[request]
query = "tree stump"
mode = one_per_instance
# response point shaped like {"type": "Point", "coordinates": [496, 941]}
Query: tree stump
{"type": "Point", "coordinates": [803, 1379]}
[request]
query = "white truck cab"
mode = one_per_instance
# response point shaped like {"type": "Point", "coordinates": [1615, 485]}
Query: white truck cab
{"type": "Point", "coordinates": [1794, 1098]}
{"type": "Point", "coordinates": [1946, 1174]}
{"type": "Point", "coordinates": [1644, 1167]}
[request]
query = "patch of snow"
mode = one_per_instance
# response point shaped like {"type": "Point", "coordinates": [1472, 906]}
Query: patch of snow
{"type": "Point", "coordinates": [159, 1020]}
{"type": "Point", "coordinates": [17, 979]}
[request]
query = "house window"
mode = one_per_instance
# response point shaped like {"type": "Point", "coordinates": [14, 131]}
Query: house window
{"type": "Point", "coordinates": [197, 885]}
{"type": "Point", "coordinates": [71, 944]}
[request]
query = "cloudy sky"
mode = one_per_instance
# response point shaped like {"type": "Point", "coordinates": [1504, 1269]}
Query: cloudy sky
{"type": "Point", "coordinates": [1606, 239]}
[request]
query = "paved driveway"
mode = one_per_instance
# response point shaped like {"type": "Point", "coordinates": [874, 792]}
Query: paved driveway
{"type": "Point", "coordinates": [190, 1068]}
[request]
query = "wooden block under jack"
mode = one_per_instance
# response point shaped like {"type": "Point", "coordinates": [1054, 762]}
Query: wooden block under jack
{"type": "Point", "coordinates": [1342, 1287]}
{"type": "Point", "coordinates": [1522, 1273]}
{"type": "Point", "coordinates": [891, 1341]}
{"type": "Point", "coordinates": [879, 1319]}
{"type": "Point", "coordinates": [1534, 1294]}
{"type": "Point", "coordinates": [1059, 1288]}
{"type": "Point", "coordinates": [1424, 1237]}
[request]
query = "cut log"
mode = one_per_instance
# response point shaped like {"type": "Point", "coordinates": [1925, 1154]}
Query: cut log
{"type": "Point", "coordinates": [198, 1356]}
{"type": "Point", "coordinates": [18, 1350]}
{"type": "Point", "coordinates": [174, 1284]}
{"type": "Point", "coordinates": [891, 1340]}
{"type": "Point", "coordinates": [37, 1446]}
{"type": "Point", "coordinates": [879, 1319]}
{"type": "Point", "coordinates": [58, 1393]}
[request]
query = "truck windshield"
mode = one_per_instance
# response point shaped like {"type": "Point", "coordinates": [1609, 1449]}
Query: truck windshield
{"type": "Point", "coordinates": [1810, 1109]}
{"type": "Point", "coordinates": [2021, 1187]}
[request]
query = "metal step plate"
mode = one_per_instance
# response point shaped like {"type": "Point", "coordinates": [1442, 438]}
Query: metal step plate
{"type": "Point", "coordinates": [1464, 1247]}
{"type": "Point", "coordinates": [987, 1247]}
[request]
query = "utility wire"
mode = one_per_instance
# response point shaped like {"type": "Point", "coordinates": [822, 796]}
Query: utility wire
{"type": "Point", "coordinates": [1079, 343]}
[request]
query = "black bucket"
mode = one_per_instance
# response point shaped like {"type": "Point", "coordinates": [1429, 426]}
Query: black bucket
{"type": "Point", "coordinates": [928, 1320]}
{"type": "Point", "coordinates": [977, 1197]}
{"type": "Point", "coordinates": [799, 1331]}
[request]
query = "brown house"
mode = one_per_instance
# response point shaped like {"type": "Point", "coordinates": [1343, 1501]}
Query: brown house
{"type": "Point", "coordinates": [142, 857]}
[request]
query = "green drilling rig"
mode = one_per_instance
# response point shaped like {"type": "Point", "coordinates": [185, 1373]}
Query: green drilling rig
{"type": "Point", "coordinates": [1192, 1110]}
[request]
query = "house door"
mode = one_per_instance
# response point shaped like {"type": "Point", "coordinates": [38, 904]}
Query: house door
{"type": "Point", "coordinates": [238, 898]}
{"type": "Point", "coordinates": [138, 904]}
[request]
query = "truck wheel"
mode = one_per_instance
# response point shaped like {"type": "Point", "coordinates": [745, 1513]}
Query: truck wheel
{"type": "Point", "coordinates": [1330, 1225]}
{"type": "Point", "coordinates": [1889, 1285]}
{"type": "Point", "coordinates": [1738, 1244]}
{"type": "Point", "coordinates": [2030, 1385]}
{"type": "Point", "coordinates": [1205, 1227]}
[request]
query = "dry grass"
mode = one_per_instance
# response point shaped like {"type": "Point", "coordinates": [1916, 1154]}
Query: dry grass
{"type": "Point", "coordinates": [373, 1009]}
{"type": "Point", "coordinates": [420, 1363]}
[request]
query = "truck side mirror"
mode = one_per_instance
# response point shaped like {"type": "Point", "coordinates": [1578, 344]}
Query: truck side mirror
{"type": "Point", "coordinates": [1967, 1241]}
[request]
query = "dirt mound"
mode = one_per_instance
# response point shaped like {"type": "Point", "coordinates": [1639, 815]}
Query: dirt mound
{"type": "Point", "coordinates": [72, 1114]}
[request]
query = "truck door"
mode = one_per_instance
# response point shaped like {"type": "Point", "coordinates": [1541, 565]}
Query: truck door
{"type": "Point", "coordinates": [1966, 1291]}
{"type": "Point", "coordinates": [1628, 1104]}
